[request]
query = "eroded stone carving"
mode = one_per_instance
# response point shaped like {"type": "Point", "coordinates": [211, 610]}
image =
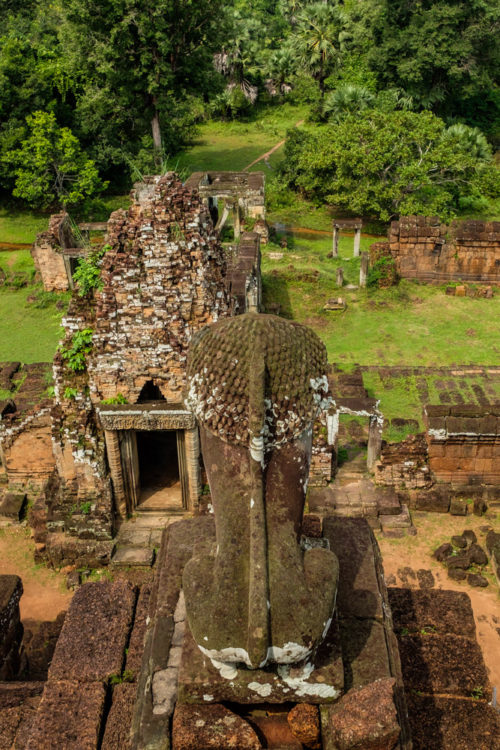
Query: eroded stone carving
{"type": "Point", "coordinates": [256, 384]}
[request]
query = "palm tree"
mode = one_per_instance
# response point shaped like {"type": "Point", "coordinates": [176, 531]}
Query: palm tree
{"type": "Point", "coordinates": [316, 41]}
{"type": "Point", "coordinates": [346, 100]}
{"type": "Point", "coordinates": [471, 139]}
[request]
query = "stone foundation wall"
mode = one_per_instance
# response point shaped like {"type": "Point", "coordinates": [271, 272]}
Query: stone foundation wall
{"type": "Point", "coordinates": [404, 465]}
{"type": "Point", "coordinates": [464, 443]}
{"type": "Point", "coordinates": [11, 629]}
{"type": "Point", "coordinates": [427, 250]}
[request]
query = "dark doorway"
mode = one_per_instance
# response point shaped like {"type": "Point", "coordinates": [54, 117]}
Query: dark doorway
{"type": "Point", "coordinates": [160, 486]}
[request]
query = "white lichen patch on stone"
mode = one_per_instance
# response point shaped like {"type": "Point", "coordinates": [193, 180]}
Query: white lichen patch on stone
{"type": "Point", "coordinates": [262, 689]}
{"type": "Point", "coordinates": [207, 697]}
{"type": "Point", "coordinates": [227, 657]}
{"type": "Point", "coordinates": [303, 688]}
{"type": "Point", "coordinates": [290, 653]}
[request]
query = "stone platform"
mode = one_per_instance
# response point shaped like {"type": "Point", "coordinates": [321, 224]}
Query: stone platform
{"type": "Point", "coordinates": [357, 665]}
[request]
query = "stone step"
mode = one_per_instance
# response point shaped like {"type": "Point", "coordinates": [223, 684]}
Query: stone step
{"type": "Point", "coordinates": [350, 511]}
{"type": "Point", "coordinates": [401, 520]}
{"type": "Point", "coordinates": [133, 557]}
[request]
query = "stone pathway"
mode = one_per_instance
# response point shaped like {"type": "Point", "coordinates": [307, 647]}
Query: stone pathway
{"type": "Point", "coordinates": [139, 538]}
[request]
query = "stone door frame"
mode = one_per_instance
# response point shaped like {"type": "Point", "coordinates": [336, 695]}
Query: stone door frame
{"type": "Point", "coordinates": [120, 424]}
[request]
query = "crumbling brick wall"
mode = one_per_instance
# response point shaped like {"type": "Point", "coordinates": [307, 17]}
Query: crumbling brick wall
{"type": "Point", "coordinates": [425, 249]}
{"type": "Point", "coordinates": [47, 253]}
{"type": "Point", "coordinates": [163, 279]}
{"type": "Point", "coordinates": [464, 443]}
{"type": "Point", "coordinates": [404, 465]}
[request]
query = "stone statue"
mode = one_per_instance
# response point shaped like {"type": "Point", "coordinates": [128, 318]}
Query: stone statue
{"type": "Point", "coordinates": [255, 597]}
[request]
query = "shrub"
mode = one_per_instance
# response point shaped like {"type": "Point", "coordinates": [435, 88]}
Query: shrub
{"type": "Point", "coordinates": [75, 354]}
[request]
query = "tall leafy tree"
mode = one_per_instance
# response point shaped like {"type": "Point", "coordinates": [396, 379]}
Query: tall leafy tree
{"type": "Point", "coordinates": [50, 166]}
{"type": "Point", "coordinates": [316, 41]}
{"type": "Point", "coordinates": [389, 163]}
{"type": "Point", "coordinates": [444, 53]}
{"type": "Point", "coordinates": [139, 62]}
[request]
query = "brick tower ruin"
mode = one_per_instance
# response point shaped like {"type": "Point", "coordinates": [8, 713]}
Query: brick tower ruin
{"type": "Point", "coordinates": [162, 278]}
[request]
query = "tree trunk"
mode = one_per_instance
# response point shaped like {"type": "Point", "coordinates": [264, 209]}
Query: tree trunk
{"type": "Point", "coordinates": [156, 130]}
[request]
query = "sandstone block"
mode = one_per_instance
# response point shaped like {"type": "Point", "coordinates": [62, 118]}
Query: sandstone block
{"type": "Point", "coordinates": [95, 632]}
{"type": "Point", "coordinates": [304, 723]}
{"type": "Point", "coordinates": [365, 719]}
{"type": "Point", "coordinates": [69, 716]}
{"type": "Point", "coordinates": [215, 726]}
{"type": "Point", "coordinates": [458, 507]}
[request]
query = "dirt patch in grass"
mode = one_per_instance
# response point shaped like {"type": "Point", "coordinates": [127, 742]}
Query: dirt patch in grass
{"type": "Point", "coordinates": [416, 553]}
{"type": "Point", "coordinates": [45, 594]}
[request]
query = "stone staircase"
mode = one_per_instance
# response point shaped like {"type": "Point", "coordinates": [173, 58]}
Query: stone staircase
{"type": "Point", "coordinates": [353, 494]}
{"type": "Point", "coordinates": [139, 538]}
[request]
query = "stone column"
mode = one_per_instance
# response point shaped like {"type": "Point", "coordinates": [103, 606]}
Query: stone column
{"type": "Point", "coordinates": [374, 441]}
{"type": "Point", "coordinates": [192, 452]}
{"type": "Point", "coordinates": [363, 270]}
{"type": "Point", "coordinates": [335, 245]}
{"type": "Point", "coordinates": [340, 276]}
{"type": "Point", "coordinates": [115, 469]}
{"type": "Point", "coordinates": [357, 241]}
{"type": "Point", "coordinates": [237, 220]}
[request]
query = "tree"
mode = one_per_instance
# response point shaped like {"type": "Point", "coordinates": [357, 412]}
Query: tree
{"type": "Point", "coordinates": [444, 53]}
{"type": "Point", "coordinates": [347, 100]}
{"type": "Point", "coordinates": [50, 165]}
{"type": "Point", "coordinates": [316, 41]}
{"type": "Point", "coordinates": [139, 61]}
{"type": "Point", "coordinates": [390, 163]}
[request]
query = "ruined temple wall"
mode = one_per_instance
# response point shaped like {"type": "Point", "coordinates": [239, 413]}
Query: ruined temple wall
{"type": "Point", "coordinates": [163, 279]}
{"type": "Point", "coordinates": [47, 253]}
{"type": "Point", "coordinates": [404, 465]}
{"type": "Point", "coordinates": [26, 451]}
{"type": "Point", "coordinates": [49, 263]}
{"type": "Point", "coordinates": [464, 443]}
{"type": "Point", "coordinates": [425, 249]}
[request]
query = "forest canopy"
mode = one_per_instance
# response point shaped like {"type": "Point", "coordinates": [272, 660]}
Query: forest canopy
{"type": "Point", "coordinates": [125, 84]}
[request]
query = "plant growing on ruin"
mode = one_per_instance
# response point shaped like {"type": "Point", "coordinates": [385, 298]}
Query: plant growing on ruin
{"type": "Point", "coordinates": [88, 273]}
{"type": "Point", "coordinates": [75, 354]}
{"type": "Point", "coordinates": [70, 393]}
{"type": "Point", "coordinates": [118, 399]}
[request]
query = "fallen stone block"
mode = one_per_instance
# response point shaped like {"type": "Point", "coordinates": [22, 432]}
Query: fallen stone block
{"type": "Point", "coordinates": [69, 716]}
{"type": "Point", "coordinates": [92, 643]}
{"type": "Point", "coordinates": [458, 507]}
{"type": "Point", "coordinates": [12, 506]}
{"type": "Point", "coordinates": [365, 719]}
{"type": "Point", "coordinates": [214, 726]}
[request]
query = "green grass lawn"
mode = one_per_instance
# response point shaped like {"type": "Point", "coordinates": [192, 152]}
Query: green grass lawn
{"type": "Point", "coordinates": [411, 324]}
{"type": "Point", "coordinates": [21, 225]}
{"type": "Point", "coordinates": [27, 333]}
{"type": "Point", "coordinates": [234, 145]}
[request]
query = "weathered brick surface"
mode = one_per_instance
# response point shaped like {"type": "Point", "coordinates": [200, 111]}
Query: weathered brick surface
{"type": "Point", "coordinates": [464, 443]}
{"type": "Point", "coordinates": [92, 643]}
{"type": "Point", "coordinates": [11, 629]}
{"type": "Point", "coordinates": [163, 279]}
{"type": "Point", "coordinates": [69, 716]}
{"type": "Point", "coordinates": [404, 464]}
{"type": "Point", "coordinates": [427, 250]}
{"type": "Point", "coordinates": [119, 719]}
